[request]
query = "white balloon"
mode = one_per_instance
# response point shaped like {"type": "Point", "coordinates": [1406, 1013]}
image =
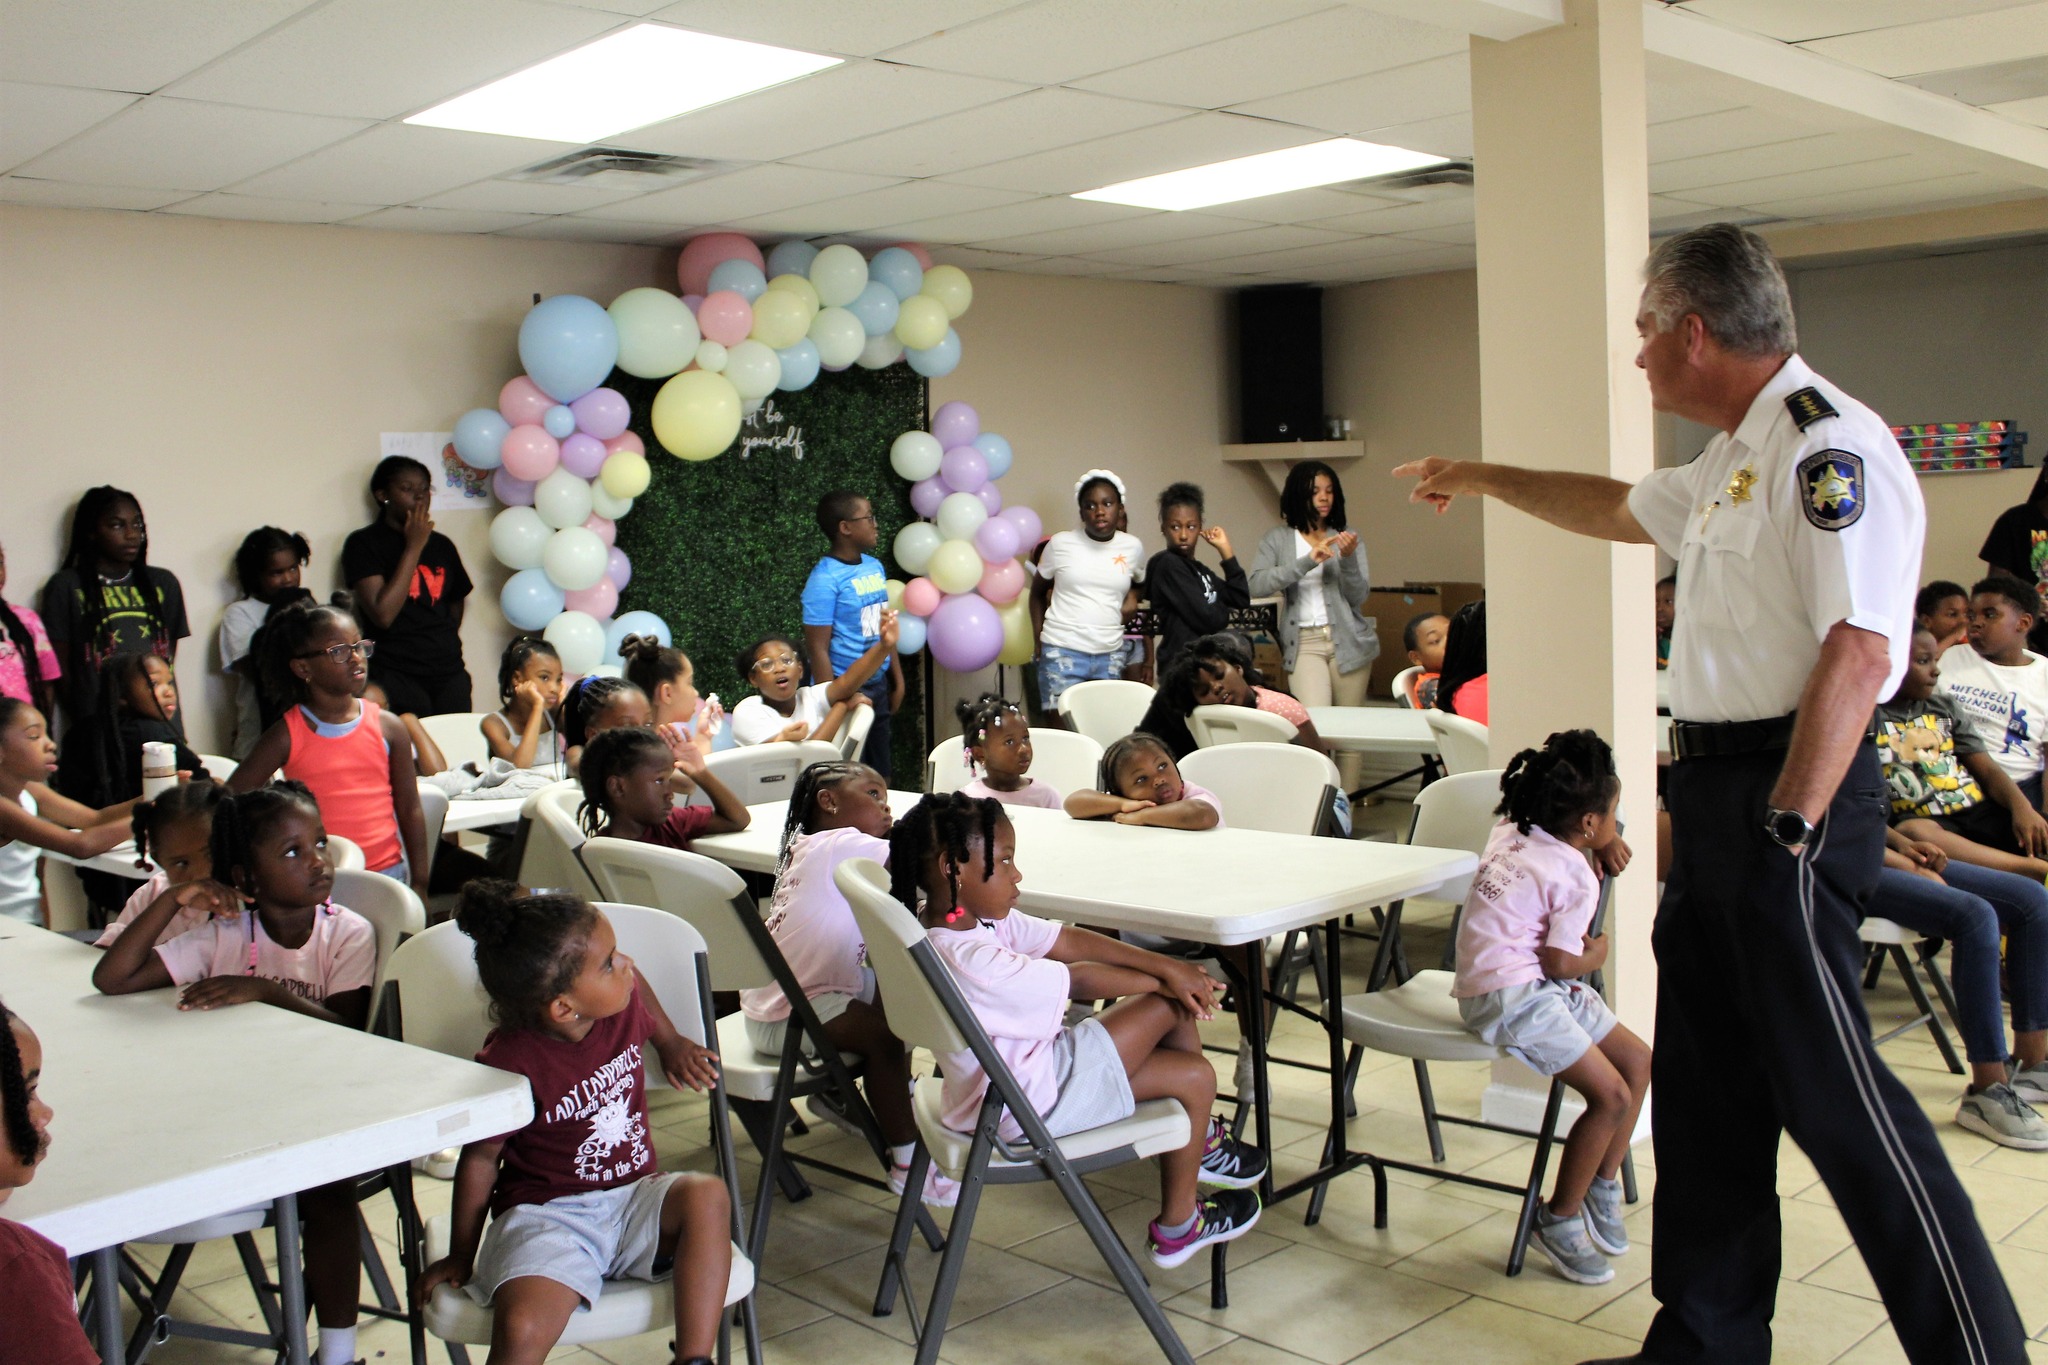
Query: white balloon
{"type": "Point", "coordinates": [838, 336]}
{"type": "Point", "coordinates": [711, 356]}
{"type": "Point", "coordinates": [839, 273]}
{"type": "Point", "coordinates": [578, 638]}
{"type": "Point", "coordinates": [960, 516]}
{"type": "Point", "coordinates": [575, 559]}
{"type": "Point", "coordinates": [518, 536]}
{"type": "Point", "coordinates": [880, 353]}
{"type": "Point", "coordinates": [605, 505]}
{"type": "Point", "coordinates": [754, 369]}
{"type": "Point", "coordinates": [562, 500]}
{"type": "Point", "coordinates": [914, 546]}
{"type": "Point", "coordinates": [915, 455]}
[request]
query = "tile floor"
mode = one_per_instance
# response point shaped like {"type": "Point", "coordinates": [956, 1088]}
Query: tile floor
{"type": "Point", "coordinates": [1426, 1290]}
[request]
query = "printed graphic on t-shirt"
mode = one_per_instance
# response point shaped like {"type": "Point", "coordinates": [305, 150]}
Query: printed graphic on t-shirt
{"type": "Point", "coordinates": [1922, 769]}
{"type": "Point", "coordinates": [1996, 711]}
{"type": "Point", "coordinates": [2037, 557]}
{"type": "Point", "coordinates": [605, 1100]}
{"type": "Point", "coordinates": [1500, 869]}
{"type": "Point", "coordinates": [428, 583]}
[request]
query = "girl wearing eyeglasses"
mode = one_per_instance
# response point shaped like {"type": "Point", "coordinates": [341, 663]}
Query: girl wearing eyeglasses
{"type": "Point", "coordinates": [783, 709]}
{"type": "Point", "coordinates": [354, 755]}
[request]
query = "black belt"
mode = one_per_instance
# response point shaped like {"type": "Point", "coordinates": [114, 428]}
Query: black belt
{"type": "Point", "coordinates": [1695, 739]}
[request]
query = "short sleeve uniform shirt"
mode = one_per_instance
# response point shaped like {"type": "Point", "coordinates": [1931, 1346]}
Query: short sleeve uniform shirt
{"type": "Point", "coordinates": [1805, 516]}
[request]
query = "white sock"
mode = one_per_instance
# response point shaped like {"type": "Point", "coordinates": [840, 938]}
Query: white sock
{"type": "Point", "coordinates": [1177, 1230]}
{"type": "Point", "coordinates": [899, 1155]}
{"type": "Point", "coordinates": [337, 1345]}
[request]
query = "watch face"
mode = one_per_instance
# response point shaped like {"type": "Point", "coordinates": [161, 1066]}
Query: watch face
{"type": "Point", "coordinates": [1788, 827]}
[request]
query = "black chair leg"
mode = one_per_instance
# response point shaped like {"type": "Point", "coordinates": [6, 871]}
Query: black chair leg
{"type": "Point", "coordinates": [1876, 968]}
{"type": "Point", "coordinates": [1427, 1093]}
{"type": "Point", "coordinates": [1926, 1009]}
{"type": "Point", "coordinates": [1533, 1195]}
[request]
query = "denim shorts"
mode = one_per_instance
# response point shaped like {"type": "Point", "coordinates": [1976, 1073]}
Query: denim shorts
{"type": "Point", "coordinates": [1059, 669]}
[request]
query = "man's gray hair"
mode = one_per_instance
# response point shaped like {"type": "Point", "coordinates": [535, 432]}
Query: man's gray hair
{"type": "Point", "coordinates": [1727, 275]}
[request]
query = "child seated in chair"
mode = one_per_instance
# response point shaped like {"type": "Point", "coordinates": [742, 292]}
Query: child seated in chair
{"type": "Point", "coordinates": [1423, 637]}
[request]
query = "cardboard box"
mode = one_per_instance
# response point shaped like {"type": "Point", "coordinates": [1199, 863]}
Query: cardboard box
{"type": "Point", "coordinates": [1393, 608]}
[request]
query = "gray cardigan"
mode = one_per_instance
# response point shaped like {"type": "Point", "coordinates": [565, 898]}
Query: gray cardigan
{"type": "Point", "coordinates": [1277, 569]}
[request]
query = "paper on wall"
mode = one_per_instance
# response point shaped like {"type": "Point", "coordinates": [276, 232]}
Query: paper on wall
{"type": "Point", "coordinates": [456, 485]}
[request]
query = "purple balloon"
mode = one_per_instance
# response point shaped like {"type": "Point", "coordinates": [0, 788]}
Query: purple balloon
{"type": "Point", "coordinates": [964, 469]}
{"type": "Point", "coordinates": [926, 495]}
{"type": "Point", "coordinates": [690, 301]}
{"type": "Point", "coordinates": [510, 491]}
{"type": "Point", "coordinates": [583, 455]}
{"type": "Point", "coordinates": [956, 424]}
{"type": "Point", "coordinates": [997, 540]}
{"type": "Point", "coordinates": [1029, 527]}
{"type": "Point", "coordinates": [991, 497]}
{"type": "Point", "coordinates": [602, 412]}
{"type": "Point", "coordinates": [965, 633]}
{"type": "Point", "coordinates": [618, 568]}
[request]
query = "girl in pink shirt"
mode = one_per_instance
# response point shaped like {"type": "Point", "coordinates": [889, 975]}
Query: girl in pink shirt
{"type": "Point", "coordinates": [996, 739]}
{"type": "Point", "coordinates": [1522, 947]}
{"type": "Point", "coordinates": [174, 835]}
{"type": "Point", "coordinates": [955, 858]}
{"type": "Point", "coordinates": [1217, 670]}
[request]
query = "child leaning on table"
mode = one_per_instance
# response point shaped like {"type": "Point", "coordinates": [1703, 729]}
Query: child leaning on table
{"type": "Point", "coordinates": [630, 778]}
{"type": "Point", "coordinates": [34, 818]}
{"type": "Point", "coordinates": [574, 1197]}
{"type": "Point", "coordinates": [173, 833]}
{"type": "Point", "coordinates": [38, 1307]}
{"type": "Point", "coordinates": [1522, 944]}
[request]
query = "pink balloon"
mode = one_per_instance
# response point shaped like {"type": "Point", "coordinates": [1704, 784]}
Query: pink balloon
{"type": "Point", "coordinates": [530, 453]}
{"type": "Point", "coordinates": [521, 402]}
{"type": "Point", "coordinates": [625, 440]}
{"type": "Point", "coordinates": [997, 541]}
{"type": "Point", "coordinates": [964, 469]}
{"type": "Point", "coordinates": [583, 455]}
{"type": "Point", "coordinates": [965, 633]}
{"type": "Point", "coordinates": [956, 424]}
{"type": "Point", "coordinates": [600, 601]}
{"type": "Point", "coordinates": [925, 497]}
{"type": "Point", "coordinates": [991, 497]}
{"type": "Point", "coordinates": [608, 532]}
{"type": "Point", "coordinates": [726, 317]}
{"type": "Point", "coordinates": [701, 255]}
{"type": "Point", "coordinates": [921, 597]}
{"type": "Point", "coordinates": [1002, 580]}
{"type": "Point", "coordinates": [513, 492]}
{"type": "Point", "coordinates": [924, 257]}
{"type": "Point", "coordinates": [602, 412]}
{"type": "Point", "coordinates": [618, 568]}
{"type": "Point", "coordinates": [1029, 527]}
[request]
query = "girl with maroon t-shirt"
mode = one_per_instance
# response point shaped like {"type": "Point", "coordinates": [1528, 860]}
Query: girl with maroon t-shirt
{"type": "Point", "coordinates": [574, 1196]}
{"type": "Point", "coordinates": [38, 1312]}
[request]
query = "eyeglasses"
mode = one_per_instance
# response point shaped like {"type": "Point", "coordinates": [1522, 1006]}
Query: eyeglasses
{"type": "Point", "coordinates": [341, 654]}
{"type": "Point", "coordinates": [869, 517]}
{"type": "Point", "coordinates": [777, 661]}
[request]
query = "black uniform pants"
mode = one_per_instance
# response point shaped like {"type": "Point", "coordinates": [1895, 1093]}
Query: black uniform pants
{"type": "Point", "coordinates": [1761, 1028]}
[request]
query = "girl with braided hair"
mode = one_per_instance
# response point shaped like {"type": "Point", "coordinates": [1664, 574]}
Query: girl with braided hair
{"type": "Point", "coordinates": [1522, 945]}
{"type": "Point", "coordinates": [595, 704]}
{"type": "Point", "coordinates": [996, 739]}
{"type": "Point", "coordinates": [38, 1308]}
{"type": "Point", "coordinates": [954, 858]}
{"type": "Point", "coordinates": [34, 818]}
{"type": "Point", "coordinates": [29, 669]}
{"type": "Point", "coordinates": [107, 598]}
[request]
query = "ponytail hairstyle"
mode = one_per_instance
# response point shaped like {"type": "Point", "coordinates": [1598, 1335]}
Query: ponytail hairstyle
{"type": "Point", "coordinates": [1464, 653]}
{"type": "Point", "coordinates": [286, 632]}
{"type": "Point", "coordinates": [24, 645]}
{"type": "Point", "coordinates": [586, 702]}
{"type": "Point", "coordinates": [83, 560]}
{"type": "Point", "coordinates": [978, 715]}
{"type": "Point", "coordinates": [239, 821]}
{"type": "Point", "coordinates": [1206, 653]}
{"type": "Point", "coordinates": [650, 663]}
{"type": "Point", "coordinates": [521, 649]}
{"type": "Point", "coordinates": [1113, 757]}
{"type": "Point", "coordinates": [169, 805]}
{"type": "Point", "coordinates": [529, 948]}
{"type": "Point", "coordinates": [945, 826]}
{"type": "Point", "coordinates": [256, 549]}
{"type": "Point", "coordinates": [1571, 776]}
{"type": "Point", "coordinates": [610, 753]}
{"type": "Point", "coordinates": [803, 802]}
{"type": "Point", "coordinates": [1180, 494]}
{"type": "Point", "coordinates": [21, 1133]}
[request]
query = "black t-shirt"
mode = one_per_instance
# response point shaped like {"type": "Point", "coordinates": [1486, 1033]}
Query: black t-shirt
{"type": "Point", "coordinates": [2018, 545]}
{"type": "Point", "coordinates": [423, 638]}
{"type": "Point", "coordinates": [145, 615]}
{"type": "Point", "coordinates": [1189, 599]}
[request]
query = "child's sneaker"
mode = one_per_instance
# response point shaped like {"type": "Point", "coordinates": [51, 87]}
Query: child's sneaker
{"type": "Point", "coordinates": [1229, 1163]}
{"type": "Point", "coordinates": [1243, 1082]}
{"type": "Point", "coordinates": [1997, 1112]}
{"type": "Point", "coordinates": [1565, 1242]}
{"type": "Point", "coordinates": [824, 1111]}
{"type": "Point", "coordinates": [2030, 1083]}
{"type": "Point", "coordinates": [940, 1190]}
{"type": "Point", "coordinates": [438, 1165]}
{"type": "Point", "coordinates": [1603, 1217]}
{"type": "Point", "coordinates": [1224, 1216]}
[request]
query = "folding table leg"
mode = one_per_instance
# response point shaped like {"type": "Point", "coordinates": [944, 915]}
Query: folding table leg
{"type": "Point", "coordinates": [106, 1303]}
{"type": "Point", "coordinates": [291, 1278]}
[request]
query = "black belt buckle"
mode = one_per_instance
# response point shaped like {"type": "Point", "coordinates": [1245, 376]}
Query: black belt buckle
{"type": "Point", "coordinates": [1692, 739]}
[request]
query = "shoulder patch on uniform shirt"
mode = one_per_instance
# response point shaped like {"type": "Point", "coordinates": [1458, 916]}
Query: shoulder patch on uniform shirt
{"type": "Point", "coordinates": [1831, 488]}
{"type": "Point", "coordinates": [1808, 407]}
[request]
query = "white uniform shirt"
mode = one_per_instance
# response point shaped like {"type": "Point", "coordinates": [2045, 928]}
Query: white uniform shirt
{"type": "Point", "coordinates": [1806, 529]}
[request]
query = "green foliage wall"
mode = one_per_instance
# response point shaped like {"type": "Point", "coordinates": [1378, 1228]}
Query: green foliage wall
{"type": "Point", "coordinates": [721, 548]}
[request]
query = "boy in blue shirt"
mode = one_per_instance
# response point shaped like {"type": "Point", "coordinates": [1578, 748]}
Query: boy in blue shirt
{"type": "Point", "coordinates": [843, 603]}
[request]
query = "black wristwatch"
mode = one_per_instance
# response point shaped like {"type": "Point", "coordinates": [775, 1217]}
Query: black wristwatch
{"type": "Point", "coordinates": [1788, 828]}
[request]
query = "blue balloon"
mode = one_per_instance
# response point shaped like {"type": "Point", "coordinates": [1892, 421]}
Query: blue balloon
{"type": "Point", "coordinates": [634, 623]}
{"type": "Point", "coordinates": [935, 362]}
{"type": "Point", "coordinates": [996, 451]}
{"type": "Point", "coordinates": [876, 308]}
{"type": "Point", "coordinates": [529, 600]}
{"type": "Point", "coordinates": [559, 422]}
{"type": "Point", "coordinates": [793, 257]}
{"type": "Point", "coordinates": [799, 365]}
{"type": "Point", "coordinates": [909, 629]}
{"type": "Point", "coordinates": [568, 345]}
{"type": "Point", "coordinates": [478, 435]}
{"type": "Point", "coordinates": [742, 277]}
{"type": "Point", "coordinates": [898, 269]}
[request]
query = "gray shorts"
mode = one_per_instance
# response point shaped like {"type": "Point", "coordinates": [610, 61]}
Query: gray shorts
{"type": "Point", "coordinates": [768, 1035]}
{"type": "Point", "coordinates": [1094, 1087]}
{"type": "Point", "coordinates": [580, 1240]}
{"type": "Point", "coordinates": [1547, 1025]}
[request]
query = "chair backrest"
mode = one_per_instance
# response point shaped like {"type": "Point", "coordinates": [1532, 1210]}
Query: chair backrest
{"type": "Point", "coordinates": [346, 854]}
{"type": "Point", "coordinates": [666, 950]}
{"type": "Point", "coordinates": [1105, 709]}
{"type": "Point", "coordinates": [853, 735]}
{"type": "Point", "coordinates": [548, 857]}
{"type": "Point", "coordinates": [708, 894]}
{"type": "Point", "coordinates": [767, 772]}
{"type": "Point", "coordinates": [1461, 742]}
{"type": "Point", "coordinates": [1403, 685]}
{"type": "Point", "coordinates": [1211, 725]}
{"type": "Point", "coordinates": [1065, 761]}
{"type": "Point", "coordinates": [434, 812]}
{"type": "Point", "coordinates": [392, 910]}
{"type": "Point", "coordinates": [1456, 812]}
{"type": "Point", "coordinates": [916, 1014]}
{"type": "Point", "coordinates": [459, 735]}
{"type": "Point", "coordinates": [1280, 788]}
{"type": "Point", "coordinates": [945, 768]}
{"type": "Point", "coordinates": [219, 766]}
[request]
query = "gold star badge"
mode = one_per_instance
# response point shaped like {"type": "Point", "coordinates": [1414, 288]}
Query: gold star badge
{"type": "Point", "coordinates": [1739, 487]}
{"type": "Point", "coordinates": [1830, 490]}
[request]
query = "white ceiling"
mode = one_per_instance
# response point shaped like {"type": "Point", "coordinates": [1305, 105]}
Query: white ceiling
{"type": "Point", "coordinates": [964, 123]}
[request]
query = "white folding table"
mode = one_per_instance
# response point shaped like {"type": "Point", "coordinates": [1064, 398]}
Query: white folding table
{"type": "Point", "coordinates": [164, 1117]}
{"type": "Point", "coordinates": [482, 814]}
{"type": "Point", "coordinates": [1374, 729]}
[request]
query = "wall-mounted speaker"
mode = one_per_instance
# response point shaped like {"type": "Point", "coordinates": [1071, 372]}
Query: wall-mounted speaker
{"type": "Point", "coordinates": [1280, 364]}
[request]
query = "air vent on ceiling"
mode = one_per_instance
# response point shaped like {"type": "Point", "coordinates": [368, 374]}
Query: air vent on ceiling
{"type": "Point", "coordinates": [1447, 181]}
{"type": "Point", "coordinates": [616, 168]}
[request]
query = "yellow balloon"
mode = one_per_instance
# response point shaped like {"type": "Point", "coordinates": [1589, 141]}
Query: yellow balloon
{"type": "Point", "coordinates": [956, 566]}
{"type": "Point", "coordinates": [624, 475]}
{"type": "Point", "coordinates": [895, 587]}
{"type": "Point", "coordinates": [799, 286]}
{"type": "Point", "coordinates": [921, 323]}
{"type": "Point", "coordinates": [951, 287]}
{"type": "Point", "coordinates": [780, 320]}
{"type": "Point", "coordinates": [1018, 646]}
{"type": "Point", "coordinates": [696, 415]}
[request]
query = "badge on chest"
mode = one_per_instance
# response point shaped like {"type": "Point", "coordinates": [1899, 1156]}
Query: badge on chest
{"type": "Point", "coordinates": [1831, 488]}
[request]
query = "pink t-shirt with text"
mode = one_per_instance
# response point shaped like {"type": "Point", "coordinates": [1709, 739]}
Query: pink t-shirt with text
{"type": "Point", "coordinates": [339, 956]}
{"type": "Point", "coordinates": [182, 923]}
{"type": "Point", "coordinates": [1531, 891]}
{"type": "Point", "coordinates": [1032, 793]}
{"type": "Point", "coordinates": [1020, 997]}
{"type": "Point", "coordinates": [812, 923]}
{"type": "Point", "coordinates": [14, 668]}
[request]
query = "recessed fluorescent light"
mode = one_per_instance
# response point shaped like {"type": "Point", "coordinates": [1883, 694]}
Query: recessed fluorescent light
{"type": "Point", "coordinates": [1251, 177]}
{"type": "Point", "coordinates": [628, 79]}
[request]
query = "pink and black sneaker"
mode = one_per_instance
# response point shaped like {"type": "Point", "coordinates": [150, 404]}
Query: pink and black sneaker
{"type": "Point", "coordinates": [1224, 1216]}
{"type": "Point", "coordinates": [1229, 1163]}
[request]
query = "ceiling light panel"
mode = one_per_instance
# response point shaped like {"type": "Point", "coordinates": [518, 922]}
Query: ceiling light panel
{"type": "Point", "coordinates": [1251, 177]}
{"type": "Point", "coordinates": [637, 76]}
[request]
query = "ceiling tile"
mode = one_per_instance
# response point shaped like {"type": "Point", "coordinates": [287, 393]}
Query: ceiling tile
{"type": "Point", "coordinates": [1219, 246]}
{"type": "Point", "coordinates": [862, 213]}
{"type": "Point", "coordinates": [1033, 122]}
{"type": "Point", "coordinates": [1782, 158]}
{"type": "Point", "coordinates": [1679, 89]}
{"type": "Point", "coordinates": [1424, 263]}
{"type": "Point", "coordinates": [1333, 45]}
{"type": "Point", "coordinates": [1920, 194]}
{"type": "Point", "coordinates": [2034, 111]}
{"type": "Point", "coordinates": [407, 218]}
{"type": "Point", "coordinates": [571, 228]}
{"type": "Point", "coordinates": [634, 8]}
{"type": "Point", "coordinates": [35, 118]}
{"type": "Point", "coordinates": [135, 45]}
{"type": "Point", "coordinates": [164, 143]}
{"type": "Point", "coordinates": [1332, 255]}
{"type": "Point", "coordinates": [1166, 274]}
{"type": "Point", "coordinates": [385, 58]}
{"type": "Point", "coordinates": [21, 189]}
{"type": "Point", "coordinates": [856, 29]}
{"type": "Point", "coordinates": [746, 193]}
{"type": "Point", "coordinates": [1054, 41]}
{"type": "Point", "coordinates": [1066, 265]}
{"type": "Point", "coordinates": [1035, 215]}
{"type": "Point", "coordinates": [1406, 94]}
{"type": "Point", "coordinates": [1298, 206]}
{"type": "Point", "coordinates": [248, 207]}
{"type": "Point", "coordinates": [396, 163]}
{"type": "Point", "coordinates": [1727, 130]}
{"type": "Point", "coordinates": [845, 102]}
{"type": "Point", "coordinates": [1457, 234]}
{"type": "Point", "coordinates": [1827, 180]}
{"type": "Point", "coordinates": [1147, 230]}
{"type": "Point", "coordinates": [1942, 44]}
{"type": "Point", "coordinates": [527, 196]}
{"type": "Point", "coordinates": [1192, 141]}
{"type": "Point", "coordinates": [1429, 213]}
{"type": "Point", "coordinates": [974, 258]}
{"type": "Point", "coordinates": [1449, 135]}
{"type": "Point", "coordinates": [1795, 21]}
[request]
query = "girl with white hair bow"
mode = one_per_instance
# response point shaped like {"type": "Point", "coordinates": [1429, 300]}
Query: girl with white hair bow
{"type": "Point", "coordinates": [1086, 586]}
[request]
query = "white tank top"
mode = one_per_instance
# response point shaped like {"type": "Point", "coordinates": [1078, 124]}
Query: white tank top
{"type": "Point", "coordinates": [21, 893]}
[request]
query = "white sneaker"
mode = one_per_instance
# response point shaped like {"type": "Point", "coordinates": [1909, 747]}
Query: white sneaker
{"type": "Point", "coordinates": [1243, 1083]}
{"type": "Point", "coordinates": [1997, 1112]}
{"type": "Point", "coordinates": [2030, 1083]}
{"type": "Point", "coordinates": [438, 1165]}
